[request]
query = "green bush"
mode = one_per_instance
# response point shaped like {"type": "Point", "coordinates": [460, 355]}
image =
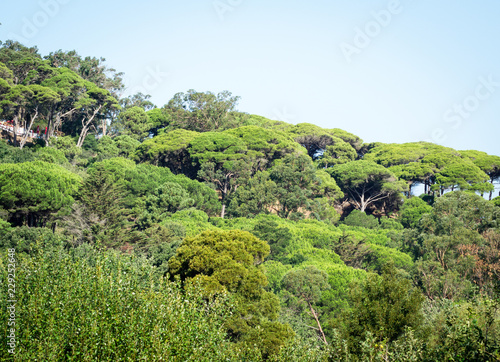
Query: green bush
{"type": "Point", "coordinates": [359, 218]}
{"type": "Point", "coordinates": [109, 307]}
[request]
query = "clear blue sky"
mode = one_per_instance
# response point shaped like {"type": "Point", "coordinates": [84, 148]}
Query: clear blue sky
{"type": "Point", "coordinates": [388, 71]}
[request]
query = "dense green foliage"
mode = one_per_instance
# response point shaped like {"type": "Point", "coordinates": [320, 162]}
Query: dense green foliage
{"type": "Point", "coordinates": [195, 232]}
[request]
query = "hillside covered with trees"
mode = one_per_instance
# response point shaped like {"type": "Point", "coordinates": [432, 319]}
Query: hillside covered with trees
{"type": "Point", "coordinates": [195, 232]}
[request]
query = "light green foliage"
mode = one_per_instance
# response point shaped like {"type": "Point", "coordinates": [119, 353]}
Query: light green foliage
{"type": "Point", "coordinates": [335, 299]}
{"type": "Point", "coordinates": [326, 186]}
{"type": "Point", "coordinates": [105, 306]}
{"type": "Point", "coordinates": [461, 173]}
{"type": "Point", "coordinates": [496, 201]}
{"type": "Point", "coordinates": [437, 166]}
{"type": "Point", "coordinates": [51, 155]}
{"type": "Point", "coordinates": [381, 255]}
{"type": "Point", "coordinates": [260, 121]}
{"type": "Point", "coordinates": [306, 284]}
{"type": "Point", "coordinates": [32, 191]}
{"type": "Point", "coordinates": [115, 168]}
{"type": "Point", "coordinates": [67, 145]}
{"type": "Point", "coordinates": [195, 221]}
{"type": "Point", "coordinates": [274, 271]}
{"type": "Point", "coordinates": [489, 164]}
{"type": "Point", "coordinates": [265, 144]}
{"type": "Point", "coordinates": [217, 147]}
{"type": "Point", "coordinates": [390, 224]}
{"type": "Point", "coordinates": [315, 138]}
{"type": "Point", "coordinates": [226, 261]}
{"type": "Point", "coordinates": [391, 154]}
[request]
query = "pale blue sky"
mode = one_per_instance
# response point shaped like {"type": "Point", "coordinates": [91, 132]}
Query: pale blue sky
{"type": "Point", "coordinates": [417, 70]}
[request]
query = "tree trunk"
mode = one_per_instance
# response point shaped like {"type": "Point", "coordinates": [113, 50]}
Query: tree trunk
{"type": "Point", "coordinates": [224, 193]}
{"type": "Point", "coordinates": [362, 203]}
{"type": "Point", "coordinates": [27, 130]}
{"type": "Point", "coordinates": [86, 126]}
{"type": "Point", "coordinates": [317, 321]}
{"type": "Point", "coordinates": [104, 127]}
{"type": "Point", "coordinates": [15, 127]}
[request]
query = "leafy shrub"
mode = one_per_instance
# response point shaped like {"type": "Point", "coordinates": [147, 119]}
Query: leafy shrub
{"type": "Point", "coordinates": [359, 218]}
{"type": "Point", "coordinates": [109, 307]}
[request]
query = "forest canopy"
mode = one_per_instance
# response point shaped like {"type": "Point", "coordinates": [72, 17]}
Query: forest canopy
{"type": "Point", "coordinates": [194, 231]}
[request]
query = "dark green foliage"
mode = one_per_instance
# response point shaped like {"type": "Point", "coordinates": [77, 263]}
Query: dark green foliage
{"type": "Point", "coordinates": [163, 202]}
{"type": "Point", "coordinates": [169, 150]}
{"type": "Point", "coordinates": [390, 224]}
{"type": "Point", "coordinates": [258, 195]}
{"type": "Point", "coordinates": [359, 218]}
{"type": "Point", "coordinates": [307, 285]}
{"type": "Point", "coordinates": [412, 211]}
{"type": "Point", "coordinates": [202, 112]}
{"type": "Point", "coordinates": [459, 246]}
{"type": "Point", "coordinates": [366, 182]}
{"type": "Point", "coordinates": [384, 306]}
{"type": "Point", "coordinates": [145, 179]}
{"type": "Point", "coordinates": [277, 237]}
{"type": "Point", "coordinates": [293, 176]}
{"type": "Point", "coordinates": [159, 244]}
{"type": "Point", "coordinates": [462, 331]}
{"type": "Point", "coordinates": [90, 144]}
{"type": "Point", "coordinates": [133, 122]}
{"type": "Point", "coordinates": [11, 154]}
{"type": "Point", "coordinates": [103, 210]}
{"type": "Point", "coordinates": [30, 239]}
